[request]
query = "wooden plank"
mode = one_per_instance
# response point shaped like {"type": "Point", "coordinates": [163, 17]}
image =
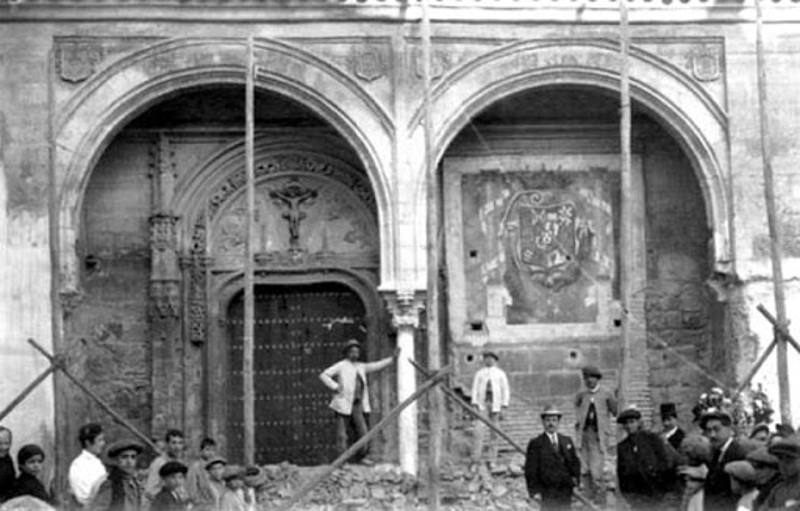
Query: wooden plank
{"type": "Point", "coordinates": [27, 390]}
{"type": "Point", "coordinates": [249, 299]}
{"type": "Point", "coordinates": [97, 399]}
{"type": "Point", "coordinates": [435, 379]}
{"type": "Point", "coordinates": [775, 231]}
{"type": "Point", "coordinates": [781, 329]}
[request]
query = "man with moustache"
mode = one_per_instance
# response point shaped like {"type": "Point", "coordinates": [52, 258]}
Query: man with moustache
{"type": "Point", "coordinates": [718, 427]}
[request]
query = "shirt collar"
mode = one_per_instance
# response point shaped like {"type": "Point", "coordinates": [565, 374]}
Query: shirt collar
{"type": "Point", "coordinates": [671, 432]}
{"type": "Point", "coordinates": [725, 447]}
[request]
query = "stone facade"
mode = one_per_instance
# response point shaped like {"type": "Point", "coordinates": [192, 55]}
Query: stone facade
{"type": "Point", "coordinates": [120, 219]}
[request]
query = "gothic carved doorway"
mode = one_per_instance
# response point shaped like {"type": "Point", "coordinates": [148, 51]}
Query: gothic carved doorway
{"type": "Point", "coordinates": [299, 331]}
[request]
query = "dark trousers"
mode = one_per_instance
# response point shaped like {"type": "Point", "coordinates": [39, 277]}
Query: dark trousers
{"type": "Point", "coordinates": [556, 499]}
{"type": "Point", "coordinates": [349, 428]}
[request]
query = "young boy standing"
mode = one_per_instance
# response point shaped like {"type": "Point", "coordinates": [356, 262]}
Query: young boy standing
{"type": "Point", "coordinates": [170, 498]}
{"type": "Point", "coordinates": [30, 460]}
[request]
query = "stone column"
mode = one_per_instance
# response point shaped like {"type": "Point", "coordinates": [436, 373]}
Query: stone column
{"type": "Point", "coordinates": [405, 306]}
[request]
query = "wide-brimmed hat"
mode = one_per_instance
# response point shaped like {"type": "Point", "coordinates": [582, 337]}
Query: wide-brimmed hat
{"type": "Point", "coordinates": [215, 461]}
{"type": "Point", "coordinates": [351, 343]}
{"type": "Point", "coordinates": [120, 446]}
{"type": "Point", "coordinates": [785, 447]}
{"type": "Point", "coordinates": [763, 457]}
{"type": "Point", "coordinates": [628, 413]}
{"type": "Point", "coordinates": [233, 472]}
{"type": "Point", "coordinates": [172, 467]}
{"type": "Point", "coordinates": [715, 414]}
{"type": "Point", "coordinates": [489, 353]}
{"type": "Point", "coordinates": [551, 411]}
{"type": "Point", "coordinates": [668, 410]}
{"type": "Point", "coordinates": [741, 470]}
{"type": "Point", "coordinates": [591, 371]}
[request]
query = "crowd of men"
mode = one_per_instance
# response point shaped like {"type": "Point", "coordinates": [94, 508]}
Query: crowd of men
{"type": "Point", "coordinates": [716, 470]}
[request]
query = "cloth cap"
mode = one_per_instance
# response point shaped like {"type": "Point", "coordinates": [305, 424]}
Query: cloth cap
{"type": "Point", "coordinates": [120, 446]}
{"type": "Point", "coordinates": [669, 410]}
{"type": "Point", "coordinates": [715, 414]}
{"type": "Point", "coordinates": [762, 456]}
{"type": "Point", "coordinates": [27, 452]}
{"type": "Point", "coordinates": [350, 344]}
{"type": "Point", "coordinates": [759, 428]}
{"type": "Point", "coordinates": [254, 477]}
{"type": "Point", "coordinates": [628, 413]}
{"type": "Point", "coordinates": [172, 467]}
{"type": "Point", "coordinates": [233, 472]}
{"type": "Point", "coordinates": [550, 411]}
{"type": "Point", "coordinates": [591, 371]}
{"type": "Point", "coordinates": [490, 354]}
{"type": "Point", "coordinates": [214, 461]}
{"type": "Point", "coordinates": [741, 470]}
{"type": "Point", "coordinates": [785, 448]}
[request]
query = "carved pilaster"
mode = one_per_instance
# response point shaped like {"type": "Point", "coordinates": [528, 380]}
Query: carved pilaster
{"type": "Point", "coordinates": [164, 276]}
{"type": "Point", "coordinates": [195, 266]}
{"type": "Point", "coordinates": [162, 173]}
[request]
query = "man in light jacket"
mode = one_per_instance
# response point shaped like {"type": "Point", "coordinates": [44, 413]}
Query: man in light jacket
{"type": "Point", "coordinates": [347, 378]}
{"type": "Point", "coordinates": [490, 395]}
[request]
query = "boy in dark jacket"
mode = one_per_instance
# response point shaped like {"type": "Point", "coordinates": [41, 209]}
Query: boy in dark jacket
{"type": "Point", "coordinates": [121, 491]}
{"type": "Point", "coordinates": [8, 474]}
{"type": "Point", "coordinates": [173, 474]}
{"type": "Point", "coordinates": [30, 460]}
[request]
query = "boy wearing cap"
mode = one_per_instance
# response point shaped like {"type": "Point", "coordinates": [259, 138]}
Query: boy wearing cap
{"type": "Point", "coordinates": [234, 498]}
{"type": "Point", "coordinates": [786, 494]}
{"type": "Point", "coordinates": [171, 497]}
{"type": "Point", "coordinates": [595, 408]}
{"type": "Point", "coordinates": [215, 469]}
{"type": "Point", "coordinates": [347, 378]}
{"type": "Point", "coordinates": [87, 472]}
{"type": "Point", "coordinates": [645, 469]}
{"type": "Point", "coordinates": [173, 451]}
{"type": "Point", "coordinates": [717, 426]}
{"type": "Point", "coordinates": [121, 490]}
{"type": "Point", "coordinates": [491, 396]}
{"type": "Point", "coordinates": [767, 474]}
{"type": "Point", "coordinates": [8, 475]}
{"type": "Point", "coordinates": [30, 460]}
{"type": "Point", "coordinates": [743, 483]}
{"type": "Point", "coordinates": [672, 433]}
{"type": "Point", "coordinates": [198, 486]}
{"type": "Point", "coordinates": [552, 466]}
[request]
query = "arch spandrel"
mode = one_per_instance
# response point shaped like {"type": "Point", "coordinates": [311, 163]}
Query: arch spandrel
{"type": "Point", "coordinates": [117, 94]}
{"type": "Point", "coordinates": [681, 105]}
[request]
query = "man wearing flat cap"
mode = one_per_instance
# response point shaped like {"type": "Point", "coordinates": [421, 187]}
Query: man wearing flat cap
{"type": "Point", "coordinates": [786, 494]}
{"type": "Point", "coordinates": [491, 396]}
{"type": "Point", "coordinates": [172, 495]}
{"type": "Point", "coordinates": [767, 474]}
{"type": "Point", "coordinates": [645, 467]}
{"type": "Point", "coordinates": [595, 409]}
{"type": "Point", "coordinates": [347, 379]}
{"type": "Point", "coordinates": [552, 467]}
{"type": "Point", "coordinates": [121, 490]}
{"type": "Point", "coordinates": [718, 427]}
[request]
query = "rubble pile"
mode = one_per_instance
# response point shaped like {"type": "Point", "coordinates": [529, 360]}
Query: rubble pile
{"type": "Point", "coordinates": [385, 487]}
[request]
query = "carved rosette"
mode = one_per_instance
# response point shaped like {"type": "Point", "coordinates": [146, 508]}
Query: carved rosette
{"type": "Point", "coordinates": [405, 306]}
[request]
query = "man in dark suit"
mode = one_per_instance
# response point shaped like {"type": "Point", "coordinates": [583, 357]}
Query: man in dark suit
{"type": "Point", "coordinates": [717, 426]}
{"type": "Point", "coordinates": [646, 469]}
{"type": "Point", "coordinates": [552, 467]}
{"type": "Point", "coordinates": [170, 498]}
{"type": "Point", "coordinates": [672, 432]}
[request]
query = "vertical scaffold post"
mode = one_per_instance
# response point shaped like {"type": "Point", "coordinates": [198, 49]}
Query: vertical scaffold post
{"type": "Point", "coordinates": [247, 341]}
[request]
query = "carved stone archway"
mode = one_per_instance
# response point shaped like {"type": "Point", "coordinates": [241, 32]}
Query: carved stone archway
{"type": "Point", "coordinates": [685, 109]}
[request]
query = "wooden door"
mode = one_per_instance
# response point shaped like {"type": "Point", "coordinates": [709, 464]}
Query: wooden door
{"type": "Point", "coordinates": [299, 331]}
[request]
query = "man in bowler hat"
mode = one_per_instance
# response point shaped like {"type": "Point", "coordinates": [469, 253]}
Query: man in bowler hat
{"type": "Point", "coordinates": [491, 396]}
{"type": "Point", "coordinates": [595, 409]}
{"type": "Point", "coordinates": [672, 433]}
{"type": "Point", "coordinates": [347, 379]}
{"type": "Point", "coordinates": [552, 466]}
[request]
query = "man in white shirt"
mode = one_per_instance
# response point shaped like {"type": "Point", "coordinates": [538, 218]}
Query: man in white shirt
{"type": "Point", "coordinates": [87, 472]}
{"type": "Point", "coordinates": [490, 395]}
{"type": "Point", "coordinates": [347, 378]}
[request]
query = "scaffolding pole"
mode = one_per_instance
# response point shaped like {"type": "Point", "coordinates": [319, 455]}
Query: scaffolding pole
{"type": "Point", "coordinates": [775, 234]}
{"type": "Point", "coordinates": [247, 341]}
{"type": "Point", "coordinates": [626, 218]}
{"type": "Point", "coordinates": [435, 398]}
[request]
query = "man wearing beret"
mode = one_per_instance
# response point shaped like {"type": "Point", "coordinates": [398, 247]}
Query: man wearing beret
{"type": "Point", "coordinates": [719, 495]}
{"type": "Point", "coordinates": [767, 474]}
{"type": "Point", "coordinates": [172, 495]}
{"type": "Point", "coordinates": [121, 490]}
{"type": "Point", "coordinates": [552, 467]}
{"type": "Point", "coordinates": [491, 396]}
{"type": "Point", "coordinates": [347, 379]}
{"type": "Point", "coordinates": [595, 408]}
{"type": "Point", "coordinates": [645, 468]}
{"type": "Point", "coordinates": [786, 494]}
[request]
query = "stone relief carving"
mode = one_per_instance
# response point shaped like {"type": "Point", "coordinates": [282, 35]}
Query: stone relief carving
{"type": "Point", "coordinates": [705, 63]}
{"type": "Point", "coordinates": [291, 197]}
{"type": "Point", "coordinates": [196, 265]}
{"type": "Point", "coordinates": [368, 62]}
{"type": "Point", "coordinates": [77, 60]}
{"type": "Point", "coordinates": [405, 306]}
{"type": "Point", "coordinates": [441, 62]}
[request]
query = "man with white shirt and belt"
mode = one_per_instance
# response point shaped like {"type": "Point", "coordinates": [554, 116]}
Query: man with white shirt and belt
{"type": "Point", "coordinates": [490, 395]}
{"type": "Point", "coordinates": [87, 472]}
{"type": "Point", "coordinates": [347, 378]}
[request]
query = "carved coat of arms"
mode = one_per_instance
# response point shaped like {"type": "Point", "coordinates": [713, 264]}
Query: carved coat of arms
{"type": "Point", "coordinates": [368, 62]}
{"type": "Point", "coordinates": [548, 237]}
{"type": "Point", "coordinates": [706, 64]}
{"type": "Point", "coordinates": [77, 60]}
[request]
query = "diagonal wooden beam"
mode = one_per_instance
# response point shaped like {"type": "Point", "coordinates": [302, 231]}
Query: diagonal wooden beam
{"type": "Point", "coordinates": [57, 363]}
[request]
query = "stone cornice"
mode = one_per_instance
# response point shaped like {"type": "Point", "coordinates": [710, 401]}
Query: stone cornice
{"type": "Point", "coordinates": [467, 11]}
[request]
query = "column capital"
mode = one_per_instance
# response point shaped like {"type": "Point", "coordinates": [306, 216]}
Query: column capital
{"type": "Point", "coordinates": [405, 305]}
